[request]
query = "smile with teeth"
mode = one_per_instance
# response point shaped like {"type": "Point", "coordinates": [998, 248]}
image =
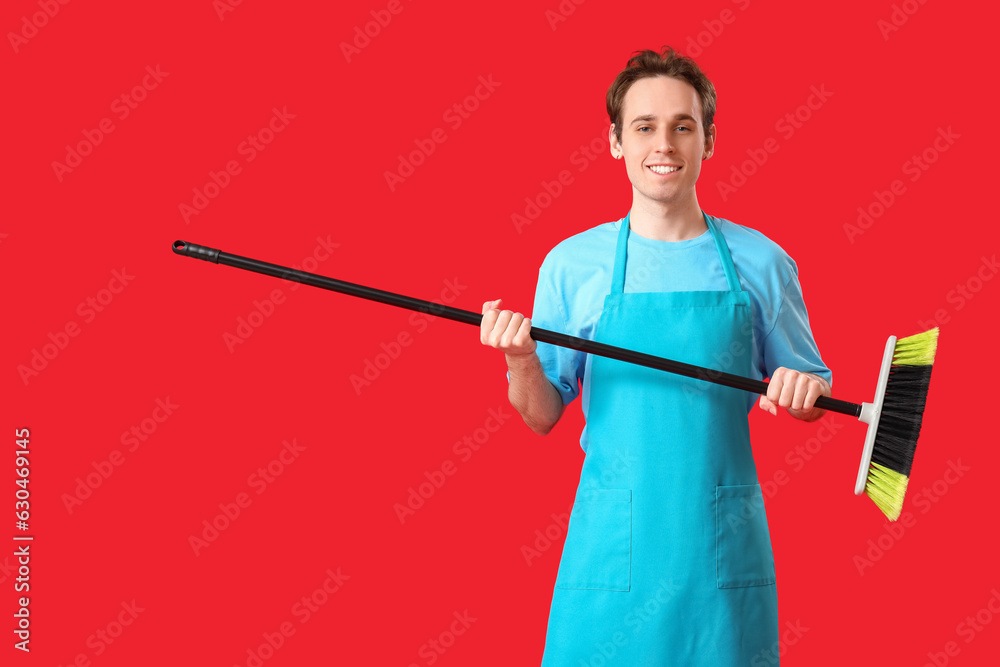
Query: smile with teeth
{"type": "Point", "coordinates": [662, 168]}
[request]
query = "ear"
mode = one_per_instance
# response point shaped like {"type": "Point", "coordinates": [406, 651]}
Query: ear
{"type": "Point", "coordinates": [616, 146]}
{"type": "Point", "coordinates": [710, 136]}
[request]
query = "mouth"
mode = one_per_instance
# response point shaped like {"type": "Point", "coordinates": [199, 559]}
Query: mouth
{"type": "Point", "coordinates": [662, 169]}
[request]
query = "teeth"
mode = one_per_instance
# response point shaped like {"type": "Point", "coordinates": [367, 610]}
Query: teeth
{"type": "Point", "coordinates": [660, 169]}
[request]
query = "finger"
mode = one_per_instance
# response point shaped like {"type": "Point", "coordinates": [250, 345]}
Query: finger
{"type": "Point", "coordinates": [510, 328]}
{"type": "Point", "coordinates": [767, 405]}
{"type": "Point", "coordinates": [815, 391]}
{"type": "Point", "coordinates": [774, 385]}
{"type": "Point", "coordinates": [489, 321]}
{"type": "Point", "coordinates": [523, 336]}
{"type": "Point", "coordinates": [514, 329]}
{"type": "Point", "coordinates": [802, 385]}
{"type": "Point", "coordinates": [787, 390]}
{"type": "Point", "coordinates": [487, 305]}
{"type": "Point", "coordinates": [496, 336]}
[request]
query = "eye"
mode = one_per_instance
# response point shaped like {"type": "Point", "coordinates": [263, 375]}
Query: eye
{"type": "Point", "coordinates": [645, 127]}
{"type": "Point", "coordinates": [685, 128]}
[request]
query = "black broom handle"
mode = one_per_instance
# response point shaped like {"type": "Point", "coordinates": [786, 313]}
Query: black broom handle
{"type": "Point", "coordinates": [469, 317]}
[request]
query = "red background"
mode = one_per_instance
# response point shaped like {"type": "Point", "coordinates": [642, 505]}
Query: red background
{"type": "Point", "coordinates": [162, 336]}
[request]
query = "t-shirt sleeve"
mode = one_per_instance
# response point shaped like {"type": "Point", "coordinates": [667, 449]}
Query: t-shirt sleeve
{"type": "Point", "coordinates": [790, 342]}
{"type": "Point", "coordinates": [564, 367]}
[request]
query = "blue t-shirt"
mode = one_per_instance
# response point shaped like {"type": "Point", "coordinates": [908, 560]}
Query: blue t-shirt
{"type": "Point", "coordinates": [576, 276]}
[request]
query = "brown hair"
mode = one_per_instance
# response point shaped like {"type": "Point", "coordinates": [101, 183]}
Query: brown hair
{"type": "Point", "coordinates": [649, 63]}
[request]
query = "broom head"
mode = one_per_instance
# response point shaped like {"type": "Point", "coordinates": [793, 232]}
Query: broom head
{"type": "Point", "coordinates": [894, 420]}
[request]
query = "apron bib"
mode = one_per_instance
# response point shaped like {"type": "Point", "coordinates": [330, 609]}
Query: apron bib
{"type": "Point", "coordinates": [667, 558]}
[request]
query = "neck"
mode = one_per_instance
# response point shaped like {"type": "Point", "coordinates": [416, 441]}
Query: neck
{"type": "Point", "coordinates": [667, 221]}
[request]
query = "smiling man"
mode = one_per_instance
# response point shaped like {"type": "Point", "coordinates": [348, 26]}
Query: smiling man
{"type": "Point", "coordinates": [667, 559]}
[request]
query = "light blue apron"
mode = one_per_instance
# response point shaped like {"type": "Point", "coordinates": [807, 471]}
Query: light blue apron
{"type": "Point", "coordinates": [667, 559]}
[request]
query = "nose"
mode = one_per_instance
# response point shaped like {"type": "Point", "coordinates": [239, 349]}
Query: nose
{"type": "Point", "coordinates": [663, 142]}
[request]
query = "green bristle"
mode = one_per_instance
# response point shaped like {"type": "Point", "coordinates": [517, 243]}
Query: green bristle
{"type": "Point", "coordinates": [917, 350]}
{"type": "Point", "coordinates": [887, 488]}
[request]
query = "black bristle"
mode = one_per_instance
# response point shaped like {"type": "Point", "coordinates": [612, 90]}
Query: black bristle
{"type": "Point", "coordinates": [902, 416]}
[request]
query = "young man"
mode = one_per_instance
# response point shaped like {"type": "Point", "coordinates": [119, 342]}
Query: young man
{"type": "Point", "coordinates": [667, 558]}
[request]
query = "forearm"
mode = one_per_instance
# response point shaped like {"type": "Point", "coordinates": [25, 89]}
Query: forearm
{"type": "Point", "coordinates": [531, 393]}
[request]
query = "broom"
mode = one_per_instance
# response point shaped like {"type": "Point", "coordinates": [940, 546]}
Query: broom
{"type": "Point", "coordinates": [894, 416]}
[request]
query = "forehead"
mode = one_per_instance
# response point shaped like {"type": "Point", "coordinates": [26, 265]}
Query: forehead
{"type": "Point", "coordinates": [660, 96]}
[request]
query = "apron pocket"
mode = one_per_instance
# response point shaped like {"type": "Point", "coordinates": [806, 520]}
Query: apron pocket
{"type": "Point", "coordinates": [597, 553]}
{"type": "Point", "coordinates": [743, 543]}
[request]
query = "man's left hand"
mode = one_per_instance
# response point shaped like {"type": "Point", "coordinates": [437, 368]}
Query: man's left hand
{"type": "Point", "coordinates": [796, 392]}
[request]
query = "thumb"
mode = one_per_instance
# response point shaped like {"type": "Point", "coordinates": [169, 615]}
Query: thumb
{"type": "Point", "coordinates": [766, 404]}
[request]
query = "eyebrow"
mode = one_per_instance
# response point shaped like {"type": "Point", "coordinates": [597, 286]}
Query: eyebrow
{"type": "Point", "coordinates": [649, 117]}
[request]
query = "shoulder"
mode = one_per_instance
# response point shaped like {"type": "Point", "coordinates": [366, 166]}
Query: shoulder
{"type": "Point", "coordinates": [755, 253]}
{"type": "Point", "coordinates": [580, 251]}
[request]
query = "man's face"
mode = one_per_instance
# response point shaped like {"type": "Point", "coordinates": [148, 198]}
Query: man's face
{"type": "Point", "coordinates": [663, 141]}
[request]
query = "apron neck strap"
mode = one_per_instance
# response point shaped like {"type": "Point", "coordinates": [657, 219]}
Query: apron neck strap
{"type": "Point", "coordinates": [621, 256]}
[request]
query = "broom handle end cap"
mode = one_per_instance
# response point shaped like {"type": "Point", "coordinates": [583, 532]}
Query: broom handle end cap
{"type": "Point", "coordinates": [199, 251]}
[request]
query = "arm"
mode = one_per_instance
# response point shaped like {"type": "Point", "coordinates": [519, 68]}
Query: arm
{"type": "Point", "coordinates": [788, 346]}
{"type": "Point", "coordinates": [530, 392]}
{"type": "Point", "coordinates": [532, 395]}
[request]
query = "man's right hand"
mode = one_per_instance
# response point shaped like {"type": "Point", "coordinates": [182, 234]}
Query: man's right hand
{"type": "Point", "coordinates": [506, 330]}
{"type": "Point", "coordinates": [530, 392]}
